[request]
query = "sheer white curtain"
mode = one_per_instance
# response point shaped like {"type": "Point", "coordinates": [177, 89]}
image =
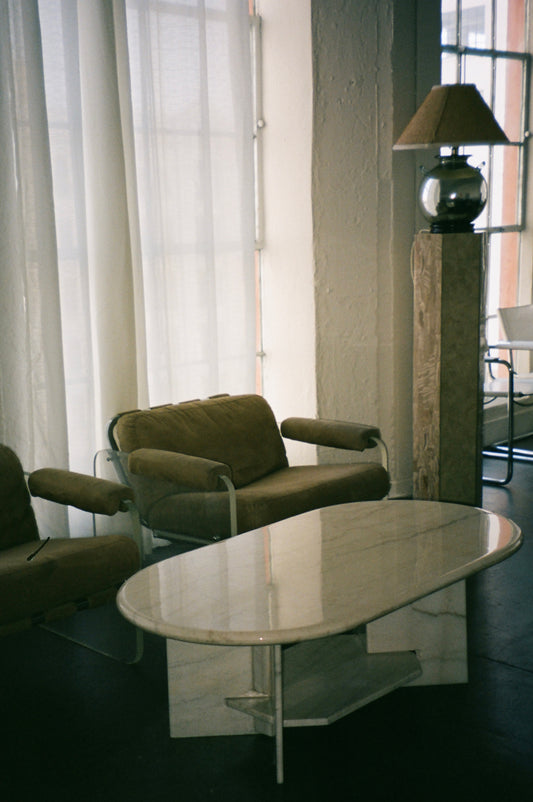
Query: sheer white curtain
{"type": "Point", "coordinates": [102, 335]}
{"type": "Point", "coordinates": [151, 297]}
{"type": "Point", "coordinates": [192, 112]}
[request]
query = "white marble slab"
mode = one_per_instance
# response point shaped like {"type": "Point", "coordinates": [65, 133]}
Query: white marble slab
{"type": "Point", "coordinates": [199, 679]}
{"type": "Point", "coordinates": [326, 679]}
{"type": "Point", "coordinates": [435, 628]}
{"type": "Point", "coordinates": [316, 574]}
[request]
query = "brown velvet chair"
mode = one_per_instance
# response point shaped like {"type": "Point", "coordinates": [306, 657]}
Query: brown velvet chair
{"type": "Point", "coordinates": [181, 458]}
{"type": "Point", "coordinates": [44, 580]}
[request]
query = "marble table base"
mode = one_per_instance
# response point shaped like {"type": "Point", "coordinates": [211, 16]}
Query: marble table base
{"type": "Point", "coordinates": [237, 690]}
{"type": "Point", "coordinates": [231, 690]}
{"type": "Point", "coordinates": [435, 628]}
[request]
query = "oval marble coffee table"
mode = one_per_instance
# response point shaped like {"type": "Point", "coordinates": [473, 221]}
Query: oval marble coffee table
{"type": "Point", "coordinates": [312, 581]}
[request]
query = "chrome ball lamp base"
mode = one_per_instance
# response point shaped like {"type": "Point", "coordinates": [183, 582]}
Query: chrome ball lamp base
{"type": "Point", "coordinates": [452, 195]}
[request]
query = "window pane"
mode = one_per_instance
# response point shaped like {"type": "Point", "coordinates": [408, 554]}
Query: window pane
{"type": "Point", "coordinates": [449, 22]}
{"type": "Point", "coordinates": [508, 97]}
{"type": "Point", "coordinates": [479, 157]}
{"type": "Point", "coordinates": [476, 23]}
{"type": "Point", "coordinates": [510, 25]}
{"type": "Point", "coordinates": [478, 71]}
{"type": "Point", "coordinates": [502, 289]}
{"type": "Point", "coordinates": [504, 188]}
{"type": "Point", "coordinates": [449, 68]}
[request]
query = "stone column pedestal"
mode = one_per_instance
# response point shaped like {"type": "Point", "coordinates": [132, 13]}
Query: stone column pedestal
{"type": "Point", "coordinates": [448, 278]}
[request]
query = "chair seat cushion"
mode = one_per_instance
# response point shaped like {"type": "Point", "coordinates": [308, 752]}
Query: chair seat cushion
{"type": "Point", "coordinates": [66, 573]}
{"type": "Point", "coordinates": [282, 494]}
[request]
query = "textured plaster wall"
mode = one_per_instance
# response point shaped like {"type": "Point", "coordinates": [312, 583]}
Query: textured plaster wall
{"type": "Point", "coordinates": [364, 70]}
{"type": "Point", "coordinates": [339, 86]}
{"type": "Point", "coordinates": [348, 57]}
{"type": "Point", "coordinates": [352, 164]}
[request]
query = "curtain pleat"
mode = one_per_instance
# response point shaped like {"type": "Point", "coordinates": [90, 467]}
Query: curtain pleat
{"type": "Point", "coordinates": [32, 396]}
{"type": "Point", "coordinates": [32, 393]}
{"type": "Point", "coordinates": [109, 252]}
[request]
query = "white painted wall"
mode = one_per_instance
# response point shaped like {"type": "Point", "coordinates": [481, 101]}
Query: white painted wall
{"type": "Point", "coordinates": [287, 259]}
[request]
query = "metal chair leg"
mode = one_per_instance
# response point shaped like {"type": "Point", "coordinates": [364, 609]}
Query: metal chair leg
{"type": "Point", "coordinates": [508, 454]}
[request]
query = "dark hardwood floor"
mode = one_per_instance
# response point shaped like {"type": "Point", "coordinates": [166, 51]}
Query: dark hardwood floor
{"type": "Point", "coordinates": [78, 726]}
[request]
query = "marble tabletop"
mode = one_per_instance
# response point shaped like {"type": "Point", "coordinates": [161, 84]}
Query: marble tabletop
{"type": "Point", "coordinates": [315, 574]}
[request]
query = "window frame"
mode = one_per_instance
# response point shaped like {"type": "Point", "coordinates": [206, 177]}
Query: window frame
{"type": "Point", "coordinates": [461, 52]}
{"type": "Point", "coordinates": [496, 258]}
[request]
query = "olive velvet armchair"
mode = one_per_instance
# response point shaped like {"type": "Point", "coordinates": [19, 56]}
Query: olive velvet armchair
{"type": "Point", "coordinates": [209, 469]}
{"type": "Point", "coordinates": [44, 580]}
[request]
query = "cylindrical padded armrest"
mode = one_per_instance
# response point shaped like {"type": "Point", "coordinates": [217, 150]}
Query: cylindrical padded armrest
{"type": "Point", "coordinates": [336, 434]}
{"type": "Point", "coordinates": [196, 472]}
{"type": "Point", "coordinates": [79, 490]}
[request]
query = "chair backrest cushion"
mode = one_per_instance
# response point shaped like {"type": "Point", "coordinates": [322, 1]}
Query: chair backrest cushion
{"type": "Point", "coordinates": [238, 430]}
{"type": "Point", "coordinates": [17, 521]}
{"type": "Point", "coordinates": [517, 322]}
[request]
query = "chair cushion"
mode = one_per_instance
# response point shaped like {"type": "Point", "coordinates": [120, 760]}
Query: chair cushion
{"type": "Point", "coordinates": [284, 493]}
{"type": "Point", "coordinates": [17, 521]}
{"type": "Point", "coordinates": [65, 573]}
{"type": "Point", "coordinates": [240, 431]}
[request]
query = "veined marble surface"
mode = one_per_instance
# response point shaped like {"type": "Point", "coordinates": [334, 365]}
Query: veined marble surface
{"type": "Point", "coordinates": [316, 574]}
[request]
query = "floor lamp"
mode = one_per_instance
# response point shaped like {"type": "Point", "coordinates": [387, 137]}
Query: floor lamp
{"type": "Point", "coordinates": [448, 277]}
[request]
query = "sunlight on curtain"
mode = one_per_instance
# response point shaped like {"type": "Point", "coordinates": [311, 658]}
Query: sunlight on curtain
{"type": "Point", "coordinates": [153, 189]}
{"type": "Point", "coordinates": [93, 225]}
{"type": "Point", "coordinates": [192, 111]}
